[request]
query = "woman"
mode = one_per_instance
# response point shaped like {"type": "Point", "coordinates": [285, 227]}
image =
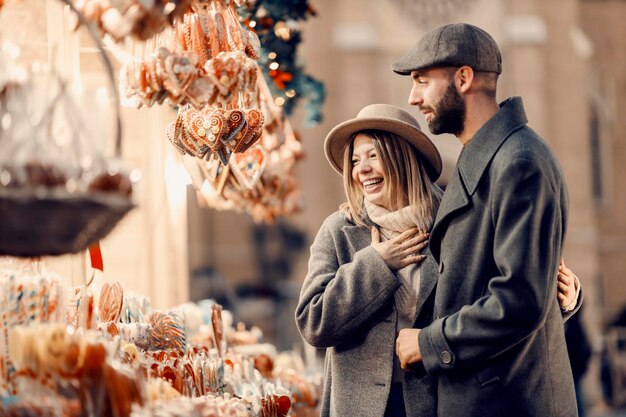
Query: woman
{"type": "Point", "coordinates": [363, 282]}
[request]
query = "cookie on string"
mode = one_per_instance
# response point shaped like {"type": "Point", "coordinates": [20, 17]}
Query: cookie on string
{"type": "Point", "coordinates": [179, 73]}
{"type": "Point", "coordinates": [216, 173]}
{"type": "Point", "coordinates": [201, 91]}
{"type": "Point", "coordinates": [254, 119]}
{"type": "Point", "coordinates": [219, 40]}
{"type": "Point", "coordinates": [217, 126]}
{"type": "Point", "coordinates": [237, 126]}
{"type": "Point", "coordinates": [193, 131]}
{"type": "Point", "coordinates": [252, 44]}
{"type": "Point", "coordinates": [218, 327]}
{"type": "Point", "coordinates": [234, 33]}
{"type": "Point", "coordinates": [248, 166]}
{"type": "Point", "coordinates": [226, 71]}
{"type": "Point", "coordinates": [195, 123]}
{"type": "Point", "coordinates": [173, 135]}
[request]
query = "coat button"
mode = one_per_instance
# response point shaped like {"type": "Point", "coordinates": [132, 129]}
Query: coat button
{"type": "Point", "coordinates": [441, 267]}
{"type": "Point", "coordinates": [446, 357]}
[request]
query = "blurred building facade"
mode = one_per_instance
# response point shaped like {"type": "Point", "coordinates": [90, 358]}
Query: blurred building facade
{"type": "Point", "coordinates": [607, 139]}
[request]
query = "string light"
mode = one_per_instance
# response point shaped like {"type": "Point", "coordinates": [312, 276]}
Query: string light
{"type": "Point", "coordinates": [271, 55]}
{"type": "Point", "coordinates": [274, 65]}
{"type": "Point", "coordinates": [282, 31]}
{"type": "Point", "coordinates": [252, 23]}
{"type": "Point", "coordinates": [279, 101]}
{"type": "Point", "coordinates": [290, 93]}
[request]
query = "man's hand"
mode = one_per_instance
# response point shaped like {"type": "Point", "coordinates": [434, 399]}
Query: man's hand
{"type": "Point", "coordinates": [407, 347]}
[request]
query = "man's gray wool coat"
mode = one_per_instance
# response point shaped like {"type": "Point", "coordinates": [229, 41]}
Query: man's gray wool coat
{"type": "Point", "coordinates": [497, 346]}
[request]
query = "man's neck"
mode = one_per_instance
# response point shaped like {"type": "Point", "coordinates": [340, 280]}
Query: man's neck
{"type": "Point", "coordinates": [477, 113]}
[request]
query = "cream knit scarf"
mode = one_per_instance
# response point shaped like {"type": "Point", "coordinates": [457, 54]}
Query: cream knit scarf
{"type": "Point", "coordinates": [391, 224]}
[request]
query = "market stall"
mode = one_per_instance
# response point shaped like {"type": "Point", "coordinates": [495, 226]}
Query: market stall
{"type": "Point", "coordinates": [87, 345]}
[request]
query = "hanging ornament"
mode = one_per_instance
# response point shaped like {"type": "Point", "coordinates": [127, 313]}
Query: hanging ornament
{"type": "Point", "coordinates": [205, 59]}
{"type": "Point", "coordinates": [259, 181]}
{"type": "Point", "coordinates": [281, 78]}
{"type": "Point", "coordinates": [128, 18]}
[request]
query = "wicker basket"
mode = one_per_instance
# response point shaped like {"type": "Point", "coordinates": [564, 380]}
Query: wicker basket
{"type": "Point", "coordinates": [35, 223]}
{"type": "Point", "coordinates": [38, 221]}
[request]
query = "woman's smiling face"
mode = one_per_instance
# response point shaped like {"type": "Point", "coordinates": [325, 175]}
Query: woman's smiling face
{"type": "Point", "coordinates": [367, 170]}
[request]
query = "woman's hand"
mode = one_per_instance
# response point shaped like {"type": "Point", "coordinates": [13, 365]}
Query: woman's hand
{"type": "Point", "coordinates": [401, 250]}
{"type": "Point", "coordinates": [567, 287]}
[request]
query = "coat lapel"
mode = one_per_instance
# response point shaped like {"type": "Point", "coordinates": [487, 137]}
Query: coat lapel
{"type": "Point", "coordinates": [454, 199]}
{"type": "Point", "coordinates": [428, 280]}
{"type": "Point", "coordinates": [358, 237]}
{"type": "Point", "coordinates": [473, 162]}
{"type": "Point", "coordinates": [479, 152]}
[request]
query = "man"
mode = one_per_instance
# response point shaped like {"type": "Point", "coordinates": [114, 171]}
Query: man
{"type": "Point", "coordinates": [496, 345]}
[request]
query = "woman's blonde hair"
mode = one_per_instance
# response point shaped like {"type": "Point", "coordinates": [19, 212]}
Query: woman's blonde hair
{"type": "Point", "coordinates": [408, 183]}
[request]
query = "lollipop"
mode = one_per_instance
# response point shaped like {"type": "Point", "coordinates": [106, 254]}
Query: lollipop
{"type": "Point", "coordinates": [168, 332]}
{"type": "Point", "coordinates": [218, 327]}
{"type": "Point", "coordinates": [111, 301]}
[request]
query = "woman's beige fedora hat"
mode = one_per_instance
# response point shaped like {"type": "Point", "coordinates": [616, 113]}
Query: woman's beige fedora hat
{"type": "Point", "coordinates": [388, 118]}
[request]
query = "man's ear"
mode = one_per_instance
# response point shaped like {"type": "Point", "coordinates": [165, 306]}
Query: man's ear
{"type": "Point", "coordinates": [464, 78]}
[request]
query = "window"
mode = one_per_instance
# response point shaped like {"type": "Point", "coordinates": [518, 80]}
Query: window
{"type": "Point", "coordinates": [596, 155]}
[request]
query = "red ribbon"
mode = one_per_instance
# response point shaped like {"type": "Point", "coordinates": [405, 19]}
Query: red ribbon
{"type": "Point", "coordinates": [95, 255]}
{"type": "Point", "coordinates": [280, 78]}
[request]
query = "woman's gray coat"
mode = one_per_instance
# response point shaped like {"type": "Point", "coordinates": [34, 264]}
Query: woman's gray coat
{"type": "Point", "coordinates": [347, 306]}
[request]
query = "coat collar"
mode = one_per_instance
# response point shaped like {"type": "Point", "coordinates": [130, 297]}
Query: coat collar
{"type": "Point", "coordinates": [473, 162]}
{"type": "Point", "coordinates": [477, 154]}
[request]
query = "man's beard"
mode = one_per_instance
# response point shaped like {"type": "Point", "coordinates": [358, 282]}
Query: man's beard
{"type": "Point", "coordinates": [449, 113]}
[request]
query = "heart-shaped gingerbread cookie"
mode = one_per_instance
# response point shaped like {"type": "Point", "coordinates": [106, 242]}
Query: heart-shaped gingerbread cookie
{"type": "Point", "coordinates": [247, 167]}
{"type": "Point", "coordinates": [254, 119]}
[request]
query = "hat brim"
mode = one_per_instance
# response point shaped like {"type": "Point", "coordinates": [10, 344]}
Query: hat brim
{"type": "Point", "coordinates": [409, 63]}
{"type": "Point", "coordinates": [403, 66]}
{"type": "Point", "coordinates": [339, 137]}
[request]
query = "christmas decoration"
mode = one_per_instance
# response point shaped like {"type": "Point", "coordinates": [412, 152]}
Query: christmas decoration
{"type": "Point", "coordinates": [276, 22]}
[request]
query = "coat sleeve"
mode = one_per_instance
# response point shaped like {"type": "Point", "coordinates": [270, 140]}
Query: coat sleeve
{"type": "Point", "coordinates": [528, 233]}
{"type": "Point", "coordinates": [337, 299]}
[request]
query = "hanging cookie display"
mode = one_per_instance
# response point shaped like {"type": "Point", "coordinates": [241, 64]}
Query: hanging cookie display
{"type": "Point", "coordinates": [204, 59]}
{"type": "Point", "coordinates": [259, 181]}
{"type": "Point", "coordinates": [130, 18]}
